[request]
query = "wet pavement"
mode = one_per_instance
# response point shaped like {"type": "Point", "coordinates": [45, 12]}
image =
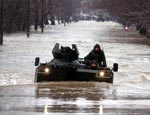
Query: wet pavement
{"type": "Point", "coordinates": [128, 95]}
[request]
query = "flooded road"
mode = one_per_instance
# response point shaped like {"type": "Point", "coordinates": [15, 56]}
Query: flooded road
{"type": "Point", "coordinates": [74, 97]}
{"type": "Point", "coordinates": [130, 93]}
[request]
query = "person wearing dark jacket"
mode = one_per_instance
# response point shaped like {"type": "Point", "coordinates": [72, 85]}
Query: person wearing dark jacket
{"type": "Point", "coordinates": [97, 55]}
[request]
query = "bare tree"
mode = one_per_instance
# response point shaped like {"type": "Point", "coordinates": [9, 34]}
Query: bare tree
{"type": "Point", "coordinates": [16, 19]}
{"type": "Point", "coordinates": [1, 23]}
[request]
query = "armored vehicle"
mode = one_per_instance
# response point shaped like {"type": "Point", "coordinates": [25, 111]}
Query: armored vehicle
{"type": "Point", "coordinates": [67, 66]}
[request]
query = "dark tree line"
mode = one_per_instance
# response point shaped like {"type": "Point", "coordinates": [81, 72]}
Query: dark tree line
{"type": "Point", "coordinates": [129, 11]}
{"type": "Point", "coordinates": [18, 14]}
{"type": "Point", "coordinates": [135, 10]}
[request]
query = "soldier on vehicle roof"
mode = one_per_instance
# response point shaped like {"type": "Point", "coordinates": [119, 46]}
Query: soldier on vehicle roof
{"type": "Point", "coordinates": [97, 55]}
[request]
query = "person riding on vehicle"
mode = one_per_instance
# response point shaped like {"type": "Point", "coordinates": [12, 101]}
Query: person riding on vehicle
{"type": "Point", "coordinates": [97, 55]}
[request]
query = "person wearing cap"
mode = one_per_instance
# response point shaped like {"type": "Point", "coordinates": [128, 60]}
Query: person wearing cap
{"type": "Point", "coordinates": [97, 55]}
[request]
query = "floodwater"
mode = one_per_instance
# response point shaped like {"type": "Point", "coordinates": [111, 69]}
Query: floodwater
{"type": "Point", "coordinates": [130, 93]}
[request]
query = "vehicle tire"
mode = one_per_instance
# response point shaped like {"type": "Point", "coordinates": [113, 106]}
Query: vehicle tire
{"type": "Point", "coordinates": [36, 76]}
{"type": "Point", "coordinates": [35, 79]}
{"type": "Point", "coordinates": [110, 81]}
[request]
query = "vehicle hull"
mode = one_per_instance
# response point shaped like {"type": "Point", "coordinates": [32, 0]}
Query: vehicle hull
{"type": "Point", "coordinates": [67, 66]}
{"type": "Point", "coordinates": [72, 75]}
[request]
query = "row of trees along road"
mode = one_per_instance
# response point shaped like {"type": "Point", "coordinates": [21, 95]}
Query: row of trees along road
{"type": "Point", "coordinates": [19, 15]}
{"type": "Point", "coordinates": [129, 11]}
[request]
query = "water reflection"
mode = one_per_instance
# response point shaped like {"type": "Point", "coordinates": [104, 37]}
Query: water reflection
{"type": "Point", "coordinates": [74, 97]}
{"type": "Point", "coordinates": [70, 97]}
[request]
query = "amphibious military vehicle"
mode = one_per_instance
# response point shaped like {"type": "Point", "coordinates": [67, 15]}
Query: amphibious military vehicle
{"type": "Point", "coordinates": [67, 66]}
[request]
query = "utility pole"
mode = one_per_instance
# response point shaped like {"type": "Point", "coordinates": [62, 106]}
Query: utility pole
{"type": "Point", "coordinates": [28, 19]}
{"type": "Point", "coordinates": [1, 24]}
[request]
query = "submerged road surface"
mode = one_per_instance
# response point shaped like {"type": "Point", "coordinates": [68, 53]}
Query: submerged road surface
{"type": "Point", "coordinates": [74, 97]}
{"type": "Point", "coordinates": [129, 95]}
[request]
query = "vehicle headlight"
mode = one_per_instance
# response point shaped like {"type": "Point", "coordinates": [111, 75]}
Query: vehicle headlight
{"type": "Point", "coordinates": [101, 74]}
{"type": "Point", "coordinates": [47, 70]}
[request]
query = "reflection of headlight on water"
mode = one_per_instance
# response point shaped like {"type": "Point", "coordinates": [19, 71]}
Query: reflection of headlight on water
{"type": "Point", "coordinates": [101, 74]}
{"type": "Point", "coordinates": [47, 70]}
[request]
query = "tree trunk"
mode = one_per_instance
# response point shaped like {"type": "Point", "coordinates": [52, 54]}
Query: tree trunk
{"type": "Point", "coordinates": [28, 19]}
{"type": "Point", "coordinates": [1, 24]}
{"type": "Point", "coordinates": [52, 20]}
{"type": "Point", "coordinates": [36, 15]}
{"type": "Point", "coordinates": [42, 19]}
